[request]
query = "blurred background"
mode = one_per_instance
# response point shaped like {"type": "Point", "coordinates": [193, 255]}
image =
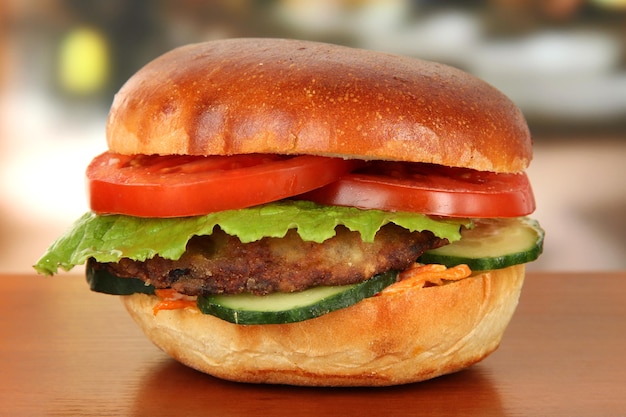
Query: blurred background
{"type": "Point", "coordinates": [562, 61]}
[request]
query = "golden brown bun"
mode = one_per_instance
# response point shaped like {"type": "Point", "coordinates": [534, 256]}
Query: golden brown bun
{"type": "Point", "coordinates": [384, 340]}
{"type": "Point", "coordinates": [296, 97]}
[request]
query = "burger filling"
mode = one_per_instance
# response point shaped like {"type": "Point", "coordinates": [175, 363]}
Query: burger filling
{"type": "Point", "coordinates": [194, 229]}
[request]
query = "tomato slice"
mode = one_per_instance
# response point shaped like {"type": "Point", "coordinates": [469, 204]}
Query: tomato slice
{"type": "Point", "coordinates": [181, 185]}
{"type": "Point", "coordinates": [430, 189]}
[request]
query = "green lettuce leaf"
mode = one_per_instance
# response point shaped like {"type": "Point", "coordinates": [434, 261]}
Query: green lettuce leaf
{"type": "Point", "coordinates": [113, 237]}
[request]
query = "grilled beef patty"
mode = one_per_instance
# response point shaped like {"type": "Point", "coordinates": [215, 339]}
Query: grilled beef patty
{"type": "Point", "coordinates": [221, 264]}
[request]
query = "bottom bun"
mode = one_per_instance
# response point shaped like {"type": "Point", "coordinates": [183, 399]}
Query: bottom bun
{"type": "Point", "coordinates": [395, 338]}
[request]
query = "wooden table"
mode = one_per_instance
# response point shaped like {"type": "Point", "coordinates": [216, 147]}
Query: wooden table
{"type": "Point", "coordinates": [65, 351]}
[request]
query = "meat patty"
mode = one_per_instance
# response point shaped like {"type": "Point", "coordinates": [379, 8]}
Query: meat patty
{"type": "Point", "coordinates": [221, 264]}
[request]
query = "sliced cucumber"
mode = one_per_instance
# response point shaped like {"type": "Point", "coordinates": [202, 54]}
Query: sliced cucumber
{"type": "Point", "coordinates": [279, 308]}
{"type": "Point", "coordinates": [492, 244]}
{"type": "Point", "coordinates": [105, 282]}
{"type": "Point", "coordinates": [251, 309]}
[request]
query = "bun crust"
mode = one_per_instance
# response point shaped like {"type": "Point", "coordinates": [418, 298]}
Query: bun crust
{"type": "Point", "coordinates": [384, 340]}
{"type": "Point", "coordinates": [297, 97]}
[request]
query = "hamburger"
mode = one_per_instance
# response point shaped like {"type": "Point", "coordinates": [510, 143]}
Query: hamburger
{"type": "Point", "coordinates": [292, 212]}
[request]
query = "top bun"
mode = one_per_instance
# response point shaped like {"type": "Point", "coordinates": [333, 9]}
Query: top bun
{"type": "Point", "coordinates": [296, 97]}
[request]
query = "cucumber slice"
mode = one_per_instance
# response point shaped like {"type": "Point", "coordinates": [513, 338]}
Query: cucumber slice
{"type": "Point", "coordinates": [491, 244]}
{"type": "Point", "coordinates": [251, 309]}
{"type": "Point", "coordinates": [105, 282]}
{"type": "Point", "coordinates": [280, 308]}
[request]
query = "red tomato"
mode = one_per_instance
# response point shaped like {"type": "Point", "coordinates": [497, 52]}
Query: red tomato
{"type": "Point", "coordinates": [430, 189]}
{"type": "Point", "coordinates": [178, 185]}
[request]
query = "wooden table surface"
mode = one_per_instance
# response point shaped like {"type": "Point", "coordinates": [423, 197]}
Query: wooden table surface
{"type": "Point", "coordinates": [65, 351]}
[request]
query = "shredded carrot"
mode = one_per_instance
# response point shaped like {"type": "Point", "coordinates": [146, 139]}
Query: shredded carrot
{"type": "Point", "coordinates": [170, 299]}
{"type": "Point", "coordinates": [418, 275]}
